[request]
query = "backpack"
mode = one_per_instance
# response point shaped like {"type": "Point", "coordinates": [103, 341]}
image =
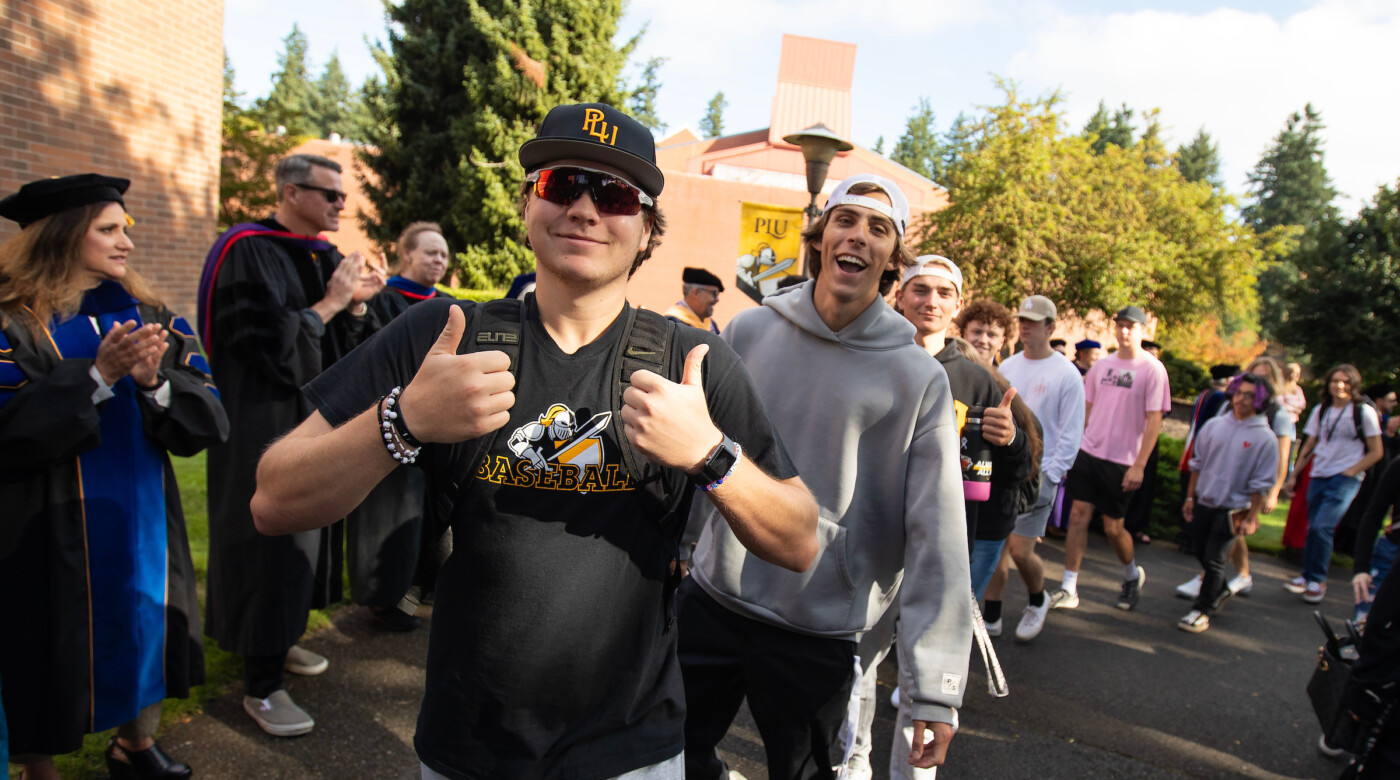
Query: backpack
{"type": "Point", "coordinates": [648, 340]}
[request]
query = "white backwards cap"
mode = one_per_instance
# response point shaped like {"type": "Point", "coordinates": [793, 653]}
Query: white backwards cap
{"type": "Point", "coordinates": [898, 211]}
{"type": "Point", "coordinates": [935, 265]}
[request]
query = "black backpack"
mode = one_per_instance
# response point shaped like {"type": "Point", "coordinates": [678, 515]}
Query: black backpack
{"type": "Point", "coordinates": [648, 340]}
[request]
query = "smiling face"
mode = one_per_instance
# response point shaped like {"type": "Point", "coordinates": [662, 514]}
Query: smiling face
{"type": "Point", "coordinates": [857, 246]}
{"type": "Point", "coordinates": [931, 303]}
{"type": "Point", "coordinates": [426, 262]}
{"type": "Point", "coordinates": [702, 299]}
{"type": "Point", "coordinates": [1243, 401]}
{"type": "Point", "coordinates": [1339, 386]}
{"type": "Point", "coordinates": [986, 337]}
{"type": "Point", "coordinates": [579, 244]}
{"type": "Point", "coordinates": [105, 246]}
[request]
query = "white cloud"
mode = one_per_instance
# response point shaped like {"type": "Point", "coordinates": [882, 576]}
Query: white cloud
{"type": "Point", "coordinates": [1238, 75]}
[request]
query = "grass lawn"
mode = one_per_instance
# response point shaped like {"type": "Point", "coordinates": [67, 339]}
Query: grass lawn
{"type": "Point", "coordinates": [221, 669]}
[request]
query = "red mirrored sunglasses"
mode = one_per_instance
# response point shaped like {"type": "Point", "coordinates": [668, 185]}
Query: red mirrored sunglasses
{"type": "Point", "coordinates": [611, 194]}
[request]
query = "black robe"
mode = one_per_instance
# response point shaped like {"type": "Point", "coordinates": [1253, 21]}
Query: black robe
{"type": "Point", "coordinates": [264, 344]}
{"type": "Point", "coordinates": [384, 534]}
{"type": "Point", "coordinates": [100, 609]}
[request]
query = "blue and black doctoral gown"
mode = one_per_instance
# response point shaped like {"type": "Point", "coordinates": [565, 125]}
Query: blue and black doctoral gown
{"type": "Point", "coordinates": [384, 534]}
{"type": "Point", "coordinates": [99, 600]}
{"type": "Point", "coordinates": [264, 342]}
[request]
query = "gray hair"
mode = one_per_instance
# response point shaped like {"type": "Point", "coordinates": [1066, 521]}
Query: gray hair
{"type": "Point", "coordinates": [296, 169]}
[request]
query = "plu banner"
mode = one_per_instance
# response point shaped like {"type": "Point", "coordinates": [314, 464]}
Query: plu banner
{"type": "Point", "coordinates": [770, 241]}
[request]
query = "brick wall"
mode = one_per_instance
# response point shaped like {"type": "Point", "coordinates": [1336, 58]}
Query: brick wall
{"type": "Point", "coordinates": [128, 88]}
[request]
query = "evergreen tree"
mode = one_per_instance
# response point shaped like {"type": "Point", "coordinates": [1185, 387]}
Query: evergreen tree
{"type": "Point", "coordinates": [919, 149]}
{"type": "Point", "coordinates": [331, 101]}
{"type": "Point", "coordinates": [712, 125]}
{"type": "Point", "coordinates": [1289, 184]}
{"type": "Point", "coordinates": [1199, 160]}
{"type": "Point", "coordinates": [643, 101]}
{"type": "Point", "coordinates": [248, 156]}
{"type": "Point", "coordinates": [467, 82]}
{"type": "Point", "coordinates": [291, 103]}
{"type": "Point", "coordinates": [1102, 129]}
{"type": "Point", "coordinates": [879, 147]}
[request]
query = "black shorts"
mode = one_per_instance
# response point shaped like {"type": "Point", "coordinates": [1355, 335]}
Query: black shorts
{"type": "Point", "coordinates": [1099, 482]}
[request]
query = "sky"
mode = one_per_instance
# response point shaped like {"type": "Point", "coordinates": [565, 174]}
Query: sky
{"type": "Point", "coordinates": [1236, 69]}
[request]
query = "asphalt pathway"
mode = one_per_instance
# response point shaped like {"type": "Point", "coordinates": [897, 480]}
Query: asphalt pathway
{"type": "Point", "coordinates": [1100, 693]}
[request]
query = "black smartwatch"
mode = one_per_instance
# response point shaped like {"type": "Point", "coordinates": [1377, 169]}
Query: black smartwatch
{"type": "Point", "coordinates": [717, 466]}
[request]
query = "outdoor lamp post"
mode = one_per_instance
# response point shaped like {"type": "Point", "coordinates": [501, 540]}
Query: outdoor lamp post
{"type": "Point", "coordinates": [819, 145]}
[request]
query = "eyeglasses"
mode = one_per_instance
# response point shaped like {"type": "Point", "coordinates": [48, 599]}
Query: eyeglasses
{"type": "Point", "coordinates": [611, 194]}
{"type": "Point", "coordinates": [331, 195]}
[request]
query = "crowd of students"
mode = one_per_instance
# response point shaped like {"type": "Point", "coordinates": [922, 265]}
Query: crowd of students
{"type": "Point", "coordinates": [629, 524]}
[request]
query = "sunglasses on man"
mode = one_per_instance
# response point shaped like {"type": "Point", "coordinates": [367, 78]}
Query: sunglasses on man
{"type": "Point", "coordinates": [611, 194]}
{"type": "Point", "coordinates": [331, 195]}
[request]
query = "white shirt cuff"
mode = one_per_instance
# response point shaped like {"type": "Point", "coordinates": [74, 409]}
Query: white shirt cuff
{"type": "Point", "coordinates": [161, 395]}
{"type": "Point", "coordinates": [104, 390]}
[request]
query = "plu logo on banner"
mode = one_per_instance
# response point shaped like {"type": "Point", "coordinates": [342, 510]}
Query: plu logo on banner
{"type": "Point", "coordinates": [770, 241]}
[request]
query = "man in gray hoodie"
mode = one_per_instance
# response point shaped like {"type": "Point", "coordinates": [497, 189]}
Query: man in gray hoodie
{"type": "Point", "coordinates": [868, 417]}
{"type": "Point", "coordinates": [1234, 463]}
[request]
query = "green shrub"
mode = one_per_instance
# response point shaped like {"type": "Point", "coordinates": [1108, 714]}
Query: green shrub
{"type": "Point", "coordinates": [468, 294]}
{"type": "Point", "coordinates": [1187, 377]}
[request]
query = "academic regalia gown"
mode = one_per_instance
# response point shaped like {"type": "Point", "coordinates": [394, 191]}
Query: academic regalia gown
{"type": "Point", "coordinates": [384, 534]}
{"type": "Point", "coordinates": [264, 343]}
{"type": "Point", "coordinates": [99, 602]}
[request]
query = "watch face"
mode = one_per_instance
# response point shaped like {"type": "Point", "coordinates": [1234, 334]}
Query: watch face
{"type": "Point", "coordinates": [719, 463]}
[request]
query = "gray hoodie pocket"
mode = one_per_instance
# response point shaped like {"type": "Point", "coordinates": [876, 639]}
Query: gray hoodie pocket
{"type": "Point", "coordinates": [831, 577]}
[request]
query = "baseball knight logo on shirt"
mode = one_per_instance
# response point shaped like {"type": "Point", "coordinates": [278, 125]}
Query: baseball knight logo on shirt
{"type": "Point", "coordinates": [557, 452]}
{"type": "Point", "coordinates": [1116, 378]}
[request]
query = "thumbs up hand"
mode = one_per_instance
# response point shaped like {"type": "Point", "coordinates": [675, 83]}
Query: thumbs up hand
{"type": "Point", "coordinates": [998, 427]}
{"type": "Point", "coordinates": [669, 422]}
{"type": "Point", "coordinates": [456, 397]}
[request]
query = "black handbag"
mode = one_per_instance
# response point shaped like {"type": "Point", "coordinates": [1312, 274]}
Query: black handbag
{"type": "Point", "coordinates": [1329, 677]}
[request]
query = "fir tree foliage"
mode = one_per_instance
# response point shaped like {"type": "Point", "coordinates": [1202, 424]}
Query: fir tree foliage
{"type": "Point", "coordinates": [919, 148]}
{"type": "Point", "coordinates": [642, 104]}
{"type": "Point", "coordinates": [1289, 184]}
{"type": "Point", "coordinates": [466, 83]}
{"type": "Point", "coordinates": [1342, 291]}
{"type": "Point", "coordinates": [1035, 210]}
{"type": "Point", "coordinates": [248, 157]}
{"type": "Point", "coordinates": [331, 101]}
{"type": "Point", "coordinates": [291, 104]}
{"type": "Point", "coordinates": [879, 147]}
{"type": "Point", "coordinates": [1104, 129]}
{"type": "Point", "coordinates": [1199, 160]}
{"type": "Point", "coordinates": [712, 124]}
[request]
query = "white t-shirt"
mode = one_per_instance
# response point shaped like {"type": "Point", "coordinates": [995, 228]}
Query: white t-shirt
{"type": "Point", "coordinates": [1054, 391]}
{"type": "Point", "coordinates": [1338, 447]}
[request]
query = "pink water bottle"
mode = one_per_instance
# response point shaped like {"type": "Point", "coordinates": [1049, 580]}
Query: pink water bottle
{"type": "Point", "coordinates": [976, 458]}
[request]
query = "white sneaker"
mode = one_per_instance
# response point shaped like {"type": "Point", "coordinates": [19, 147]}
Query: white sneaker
{"type": "Point", "coordinates": [1191, 589]}
{"type": "Point", "coordinates": [1063, 599]}
{"type": "Point", "coordinates": [1241, 584]}
{"type": "Point", "coordinates": [1032, 621]}
{"type": "Point", "coordinates": [894, 697]}
{"type": "Point", "coordinates": [278, 715]}
{"type": "Point", "coordinates": [304, 662]}
{"type": "Point", "coordinates": [994, 628]}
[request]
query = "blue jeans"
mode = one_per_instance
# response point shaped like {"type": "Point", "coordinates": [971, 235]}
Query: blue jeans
{"type": "Point", "coordinates": [985, 556]}
{"type": "Point", "coordinates": [1328, 499]}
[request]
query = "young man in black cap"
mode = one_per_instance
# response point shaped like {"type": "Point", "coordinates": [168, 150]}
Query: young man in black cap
{"type": "Point", "coordinates": [1126, 395]}
{"type": "Point", "coordinates": [278, 304]}
{"type": "Point", "coordinates": [552, 651]}
{"type": "Point", "coordinates": [696, 308]}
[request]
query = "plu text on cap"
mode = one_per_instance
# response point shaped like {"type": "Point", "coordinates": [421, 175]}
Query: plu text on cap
{"type": "Point", "coordinates": [596, 132]}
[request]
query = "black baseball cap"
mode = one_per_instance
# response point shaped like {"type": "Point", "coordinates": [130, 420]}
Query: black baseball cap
{"type": "Point", "coordinates": [597, 132]}
{"type": "Point", "coordinates": [42, 198]}
{"type": "Point", "coordinates": [1131, 314]}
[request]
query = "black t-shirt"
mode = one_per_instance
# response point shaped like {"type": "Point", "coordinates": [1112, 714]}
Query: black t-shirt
{"type": "Point", "coordinates": [549, 655]}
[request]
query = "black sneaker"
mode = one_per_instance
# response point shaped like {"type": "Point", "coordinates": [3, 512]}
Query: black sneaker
{"type": "Point", "coordinates": [1132, 590]}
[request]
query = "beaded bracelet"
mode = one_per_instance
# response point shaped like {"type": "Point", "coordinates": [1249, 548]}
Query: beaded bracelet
{"type": "Point", "coordinates": [738, 453]}
{"type": "Point", "coordinates": [401, 425]}
{"type": "Point", "coordinates": [399, 448]}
